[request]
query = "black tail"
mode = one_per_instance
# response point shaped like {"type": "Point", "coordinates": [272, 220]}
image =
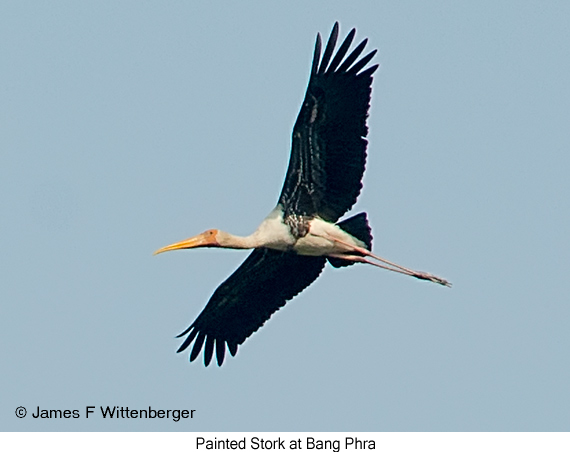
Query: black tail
{"type": "Point", "coordinates": [358, 227]}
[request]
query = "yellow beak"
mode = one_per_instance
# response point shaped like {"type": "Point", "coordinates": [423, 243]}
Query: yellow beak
{"type": "Point", "coordinates": [207, 238]}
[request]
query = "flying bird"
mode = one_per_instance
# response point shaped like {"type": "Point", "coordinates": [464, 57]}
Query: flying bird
{"type": "Point", "coordinates": [293, 243]}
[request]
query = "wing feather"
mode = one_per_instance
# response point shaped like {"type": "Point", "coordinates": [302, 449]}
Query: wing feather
{"type": "Point", "coordinates": [342, 51]}
{"type": "Point", "coordinates": [209, 349]}
{"type": "Point", "coordinates": [198, 346]}
{"type": "Point", "coordinates": [220, 351]}
{"type": "Point", "coordinates": [316, 55]}
{"type": "Point", "coordinates": [329, 49]}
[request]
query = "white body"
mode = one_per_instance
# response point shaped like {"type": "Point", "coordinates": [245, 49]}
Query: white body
{"type": "Point", "coordinates": [275, 234]}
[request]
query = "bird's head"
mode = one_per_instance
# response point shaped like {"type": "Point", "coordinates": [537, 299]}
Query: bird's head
{"type": "Point", "coordinates": [208, 238]}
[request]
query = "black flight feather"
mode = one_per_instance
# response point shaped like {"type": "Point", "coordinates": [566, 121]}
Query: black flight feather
{"type": "Point", "coordinates": [342, 51]}
{"type": "Point", "coordinates": [265, 281]}
{"type": "Point", "coordinates": [328, 152]}
{"type": "Point", "coordinates": [329, 49]}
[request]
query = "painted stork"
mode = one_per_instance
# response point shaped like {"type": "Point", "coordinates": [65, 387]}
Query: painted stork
{"type": "Point", "coordinates": [293, 244]}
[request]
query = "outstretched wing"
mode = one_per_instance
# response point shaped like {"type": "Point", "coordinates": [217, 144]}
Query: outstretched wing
{"type": "Point", "coordinates": [265, 281]}
{"type": "Point", "coordinates": [328, 152]}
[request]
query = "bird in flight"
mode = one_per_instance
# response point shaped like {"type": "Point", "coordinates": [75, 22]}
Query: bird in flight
{"type": "Point", "coordinates": [293, 243]}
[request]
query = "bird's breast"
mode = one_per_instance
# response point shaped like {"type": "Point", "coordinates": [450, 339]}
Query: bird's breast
{"type": "Point", "coordinates": [274, 233]}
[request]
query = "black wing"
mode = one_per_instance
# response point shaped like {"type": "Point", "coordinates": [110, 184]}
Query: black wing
{"type": "Point", "coordinates": [265, 281]}
{"type": "Point", "coordinates": [328, 152]}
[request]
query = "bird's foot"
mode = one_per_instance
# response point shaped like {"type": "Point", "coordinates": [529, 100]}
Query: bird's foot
{"type": "Point", "coordinates": [432, 278]}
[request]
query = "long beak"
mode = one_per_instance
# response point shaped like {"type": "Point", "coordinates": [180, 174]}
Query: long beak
{"type": "Point", "coordinates": [207, 238]}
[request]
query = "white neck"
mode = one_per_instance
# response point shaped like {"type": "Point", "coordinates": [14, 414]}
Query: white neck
{"type": "Point", "coordinates": [227, 240]}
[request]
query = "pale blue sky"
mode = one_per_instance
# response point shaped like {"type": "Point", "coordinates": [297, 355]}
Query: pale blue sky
{"type": "Point", "coordinates": [126, 126]}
